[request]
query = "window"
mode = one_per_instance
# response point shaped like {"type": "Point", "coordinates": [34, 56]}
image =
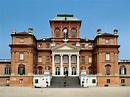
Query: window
{"type": "Point", "coordinates": [40, 59]}
{"type": "Point", "coordinates": [21, 69]}
{"type": "Point", "coordinates": [40, 70]}
{"type": "Point", "coordinates": [21, 81]}
{"type": "Point", "coordinates": [7, 69]}
{"type": "Point", "coordinates": [90, 70]}
{"type": "Point", "coordinates": [57, 59]}
{"type": "Point", "coordinates": [83, 59]}
{"type": "Point", "coordinates": [47, 58]}
{"type": "Point", "coordinates": [90, 45]}
{"type": "Point", "coordinates": [7, 81]}
{"type": "Point", "coordinates": [73, 59]}
{"type": "Point", "coordinates": [57, 72]}
{"type": "Point", "coordinates": [65, 31]}
{"type": "Point", "coordinates": [83, 45]}
{"type": "Point", "coordinates": [93, 81]}
{"type": "Point", "coordinates": [107, 41]}
{"type": "Point", "coordinates": [40, 45]}
{"type": "Point", "coordinates": [122, 81]}
{"type": "Point", "coordinates": [107, 57]}
{"type": "Point", "coordinates": [36, 81]}
{"type": "Point", "coordinates": [90, 60]}
{"type": "Point", "coordinates": [47, 45]}
{"type": "Point", "coordinates": [74, 33]}
{"type": "Point", "coordinates": [73, 70]}
{"type": "Point", "coordinates": [65, 59]}
{"type": "Point", "coordinates": [108, 69]}
{"type": "Point", "coordinates": [21, 40]}
{"type": "Point", "coordinates": [108, 80]}
{"type": "Point", "coordinates": [57, 32]}
{"type": "Point", "coordinates": [21, 56]}
{"type": "Point", "coordinates": [122, 70]}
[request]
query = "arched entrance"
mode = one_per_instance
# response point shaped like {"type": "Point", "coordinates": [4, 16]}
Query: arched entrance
{"type": "Point", "coordinates": [66, 71]}
{"type": "Point", "coordinates": [57, 72]}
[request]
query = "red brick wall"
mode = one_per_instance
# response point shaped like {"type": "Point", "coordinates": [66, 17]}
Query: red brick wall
{"type": "Point", "coordinates": [102, 80]}
{"type": "Point", "coordinates": [27, 80]}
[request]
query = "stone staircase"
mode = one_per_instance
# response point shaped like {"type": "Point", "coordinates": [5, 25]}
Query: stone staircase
{"type": "Point", "coordinates": [68, 82]}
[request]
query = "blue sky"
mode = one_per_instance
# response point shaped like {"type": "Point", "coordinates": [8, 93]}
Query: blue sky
{"type": "Point", "coordinates": [104, 14]}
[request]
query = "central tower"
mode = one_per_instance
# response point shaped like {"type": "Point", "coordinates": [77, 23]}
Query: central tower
{"type": "Point", "coordinates": [65, 26]}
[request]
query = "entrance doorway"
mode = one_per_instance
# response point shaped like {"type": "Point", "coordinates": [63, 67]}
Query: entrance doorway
{"type": "Point", "coordinates": [57, 71]}
{"type": "Point", "coordinates": [73, 70]}
{"type": "Point", "coordinates": [66, 71]}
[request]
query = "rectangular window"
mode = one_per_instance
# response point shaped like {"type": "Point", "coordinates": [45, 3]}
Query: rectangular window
{"type": "Point", "coordinates": [107, 56]}
{"type": "Point", "coordinates": [83, 59]}
{"type": "Point", "coordinates": [7, 81]}
{"type": "Point", "coordinates": [90, 45]}
{"type": "Point", "coordinates": [36, 81]}
{"type": "Point", "coordinates": [122, 81]}
{"type": "Point", "coordinates": [21, 81]}
{"type": "Point", "coordinates": [40, 45]}
{"type": "Point", "coordinates": [65, 59]}
{"type": "Point", "coordinates": [21, 56]}
{"type": "Point", "coordinates": [83, 45]}
{"type": "Point", "coordinates": [21, 40]}
{"type": "Point", "coordinates": [73, 59]}
{"type": "Point", "coordinates": [108, 80]}
{"type": "Point", "coordinates": [47, 45]}
{"type": "Point", "coordinates": [57, 59]}
{"type": "Point", "coordinates": [90, 60]}
{"type": "Point", "coordinates": [47, 58]}
{"type": "Point", "coordinates": [107, 70]}
{"type": "Point", "coordinates": [40, 59]}
{"type": "Point", "coordinates": [93, 81]}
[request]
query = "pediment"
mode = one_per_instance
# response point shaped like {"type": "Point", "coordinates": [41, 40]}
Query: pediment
{"type": "Point", "coordinates": [65, 47]}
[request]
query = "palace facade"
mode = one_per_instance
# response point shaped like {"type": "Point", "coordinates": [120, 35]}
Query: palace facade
{"type": "Point", "coordinates": [64, 54]}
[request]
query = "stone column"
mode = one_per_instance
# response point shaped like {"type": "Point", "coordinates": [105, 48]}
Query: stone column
{"type": "Point", "coordinates": [77, 64]}
{"type": "Point", "coordinates": [53, 64]}
{"type": "Point", "coordinates": [70, 64]}
{"type": "Point", "coordinates": [61, 64]}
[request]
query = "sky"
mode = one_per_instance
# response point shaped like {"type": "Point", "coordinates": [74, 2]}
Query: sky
{"type": "Point", "coordinates": [104, 14]}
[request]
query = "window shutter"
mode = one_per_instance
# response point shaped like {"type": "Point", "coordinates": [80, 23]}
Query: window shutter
{"type": "Point", "coordinates": [124, 70]}
{"type": "Point", "coordinates": [120, 70]}
{"type": "Point", "coordinates": [18, 70]}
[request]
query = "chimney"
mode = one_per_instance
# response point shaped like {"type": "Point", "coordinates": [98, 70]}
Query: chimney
{"type": "Point", "coordinates": [99, 31]}
{"type": "Point", "coordinates": [30, 30]}
{"type": "Point", "coordinates": [115, 31]}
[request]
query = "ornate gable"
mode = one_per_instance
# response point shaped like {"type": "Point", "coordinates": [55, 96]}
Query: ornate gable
{"type": "Point", "coordinates": [65, 47]}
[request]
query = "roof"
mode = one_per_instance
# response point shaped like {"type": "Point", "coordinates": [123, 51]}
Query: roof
{"type": "Point", "coordinates": [22, 33]}
{"type": "Point", "coordinates": [65, 17]}
{"type": "Point", "coordinates": [44, 40]}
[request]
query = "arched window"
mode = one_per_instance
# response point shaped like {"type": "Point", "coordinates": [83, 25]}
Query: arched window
{"type": "Point", "coordinates": [122, 70]}
{"type": "Point", "coordinates": [40, 70]}
{"type": "Point", "coordinates": [90, 70]}
{"type": "Point", "coordinates": [57, 32]}
{"type": "Point", "coordinates": [7, 69]}
{"type": "Point", "coordinates": [66, 32]}
{"type": "Point", "coordinates": [73, 70]}
{"type": "Point", "coordinates": [74, 33]}
{"type": "Point", "coordinates": [57, 72]}
{"type": "Point", "coordinates": [21, 69]}
{"type": "Point", "coordinates": [108, 69]}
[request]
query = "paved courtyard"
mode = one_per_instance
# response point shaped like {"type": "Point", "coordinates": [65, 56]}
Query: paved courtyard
{"type": "Point", "coordinates": [65, 92]}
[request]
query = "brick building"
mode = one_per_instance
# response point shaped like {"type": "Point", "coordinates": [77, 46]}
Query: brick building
{"type": "Point", "coordinates": [64, 53]}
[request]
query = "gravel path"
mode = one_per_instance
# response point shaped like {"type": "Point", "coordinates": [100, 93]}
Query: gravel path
{"type": "Point", "coordinates": [65, 92]}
